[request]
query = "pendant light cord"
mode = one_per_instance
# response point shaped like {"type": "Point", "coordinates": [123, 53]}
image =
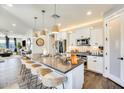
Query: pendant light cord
{"type": "Point", "coordinates": [43, 19]}
{"type": "Point", "coordinates": [35, 22]}
{"type": "Point", "coordinates": [55, 8]}
{"type": "Point", "coordinates": [55, 15]}
{"type": "Point", "coordinates": [55, 18]}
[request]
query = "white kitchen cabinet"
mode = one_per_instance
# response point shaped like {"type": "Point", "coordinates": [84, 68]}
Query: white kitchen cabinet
{"type": "Point", "coordinates": [64, 35]}
{"type": "Point", "coordinates": [72, 39]}
{"type": "Point", "coordinates": [95, 63]}
{"type": "Point", "coordinates": [58, 36]}
{"type": "Point", "coordinates": [61, 36]}
{"type": "Point", "coordinates": [78, 34]}
{"type": "Point", "coordinates": [96, 37]}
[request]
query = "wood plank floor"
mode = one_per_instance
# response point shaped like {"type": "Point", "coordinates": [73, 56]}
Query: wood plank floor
{"type": "Point", "coordinates": [97, 81]}
{"type": "Point", "coordinates": [9, 72]}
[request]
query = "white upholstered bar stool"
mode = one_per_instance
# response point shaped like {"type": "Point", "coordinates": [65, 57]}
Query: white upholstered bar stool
{"type": "Point", "coordinates": [53, 79]}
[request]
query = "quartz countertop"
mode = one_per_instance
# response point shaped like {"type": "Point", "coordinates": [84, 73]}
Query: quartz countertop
{"type": "Point", "coordinates": [56, 64]}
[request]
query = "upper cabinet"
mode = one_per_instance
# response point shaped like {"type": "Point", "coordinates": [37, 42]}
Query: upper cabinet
{"type": "Point", "coordinates": [61, 36]}
{"type": "Point", "coordinates": [78, 34]}
{"type": "Point", "coordinates": [58, 36]}
{"type": "Point", "coordinates": [95, 35]}
{"type": "Point", "coordinates": [96, 38]}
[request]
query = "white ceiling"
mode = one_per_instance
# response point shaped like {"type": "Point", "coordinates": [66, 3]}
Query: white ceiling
{"type": "Point", "coordinates": [22, 15]}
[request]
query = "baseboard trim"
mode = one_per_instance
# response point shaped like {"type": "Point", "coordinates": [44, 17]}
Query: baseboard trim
{"type": "Point", "coordinates": [93, 71]}
{"type": "Point", "coordinates": [116, 80]}
{"type": "Point", "coordinates": [105, 75]}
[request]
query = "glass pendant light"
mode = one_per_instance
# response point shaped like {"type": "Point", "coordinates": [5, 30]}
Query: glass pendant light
{"type": "Point", "coordinates": [56, 27]}
{"type": "Point", "coordinates": [44, 30]}
{"type": "Point", "coordinates": [34, 29]}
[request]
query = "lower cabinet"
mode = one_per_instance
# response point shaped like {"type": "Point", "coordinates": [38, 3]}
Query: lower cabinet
{"type": "Point", "coordinates": [95, 63]}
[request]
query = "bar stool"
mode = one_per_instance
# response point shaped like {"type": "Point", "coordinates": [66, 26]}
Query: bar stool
{"type": "Point", "coordinates": [27, 80]}
{"type": "Point", "coordinates": [35, 65]}
{"type": "Point", "coordinates": [30, 81]}
{"type": "Point", "coordinates": [34, 68]}
{"type": "Point", "coordinates": [23, 72]}
{"type": "Point", "coordinates": [29, 62]}
{"type": "Point", "coordinates": [28, 77]}
{"type": "Point", "coordinates": [22, 68]}
{"type": "Point", "coordinates": [43, 71]}
{"type": "Point", "coordinates": [53, 79]}
{"type": "Point", "coordinates": [22, 77]}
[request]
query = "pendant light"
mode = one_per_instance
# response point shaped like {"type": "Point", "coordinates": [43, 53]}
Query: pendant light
{"type": "Point", "coordinates": [34, 29]}
{"type": "Point", "coordinates": [44, 30]}
{"type": "Point", "coordinates": [56, 27]}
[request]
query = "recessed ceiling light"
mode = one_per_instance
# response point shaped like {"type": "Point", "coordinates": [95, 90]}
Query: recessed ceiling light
{"type": "Point", "coordinates": [89, 13]}
{"type": "Point", "coordinates": [10, 5]}
{"type": "Point", "coordinates": [14, 25]}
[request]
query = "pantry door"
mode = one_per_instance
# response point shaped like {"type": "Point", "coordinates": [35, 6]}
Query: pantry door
{"type": "Point", "coordinates": [115, 48]}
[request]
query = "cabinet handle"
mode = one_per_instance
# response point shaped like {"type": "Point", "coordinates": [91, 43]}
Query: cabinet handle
{"type": "Point", "coordinates": [121, 58]}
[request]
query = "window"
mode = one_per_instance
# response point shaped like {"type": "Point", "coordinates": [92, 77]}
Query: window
{"type": "Point", "coordinates": [2, 43]}
{"type": "Point", "coordinates": [12, 44]}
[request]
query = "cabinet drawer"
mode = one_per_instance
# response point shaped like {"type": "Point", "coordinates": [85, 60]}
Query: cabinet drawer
{"type": "Point", "coordinates": [91, 65]}
{"type": "Point", "coordinates": [95, 58]}
{"type": "Point", "coordinates": [95, 63]}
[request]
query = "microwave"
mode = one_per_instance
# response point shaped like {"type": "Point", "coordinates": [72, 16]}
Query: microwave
{"type": "Point", "coordinates": [84, 41]}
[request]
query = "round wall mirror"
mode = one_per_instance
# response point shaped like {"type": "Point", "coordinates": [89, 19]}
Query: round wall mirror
{"type": "Point", "coordinates": [40, 42]}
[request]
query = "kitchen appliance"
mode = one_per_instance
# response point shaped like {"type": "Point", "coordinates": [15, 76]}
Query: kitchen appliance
{"type": "Point", "coordinates": [83, 42]}
{"type": "Point", "coordinates": [61, 46]}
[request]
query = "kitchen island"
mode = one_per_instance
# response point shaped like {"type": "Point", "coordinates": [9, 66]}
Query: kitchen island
{"type": "Point", "coordinates": [74, 73]}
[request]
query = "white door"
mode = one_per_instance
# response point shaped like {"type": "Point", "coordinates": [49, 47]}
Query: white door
{"type": "Point", "coordinates": [115, 48]}
{"type": "Point", "coordinates": [122, 48]}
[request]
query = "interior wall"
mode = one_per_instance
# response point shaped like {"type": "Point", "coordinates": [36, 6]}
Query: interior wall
{"type": "Point", "coordinates": [70, 37]}
{"type": "Point", "coordinates": [40, 49]}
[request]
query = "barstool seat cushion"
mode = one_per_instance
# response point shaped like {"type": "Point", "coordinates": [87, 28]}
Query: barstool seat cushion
{"type": "Point", "coordinates": [53, 79]}
{"type": "Point", "coordinates": [25, 58]}
{"type": "Point", "coordinates": [36, 65]}
{"type": "Point", "coordinates": [29, 62]}
{"type": "Point", "coordinates": [44, 71]}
